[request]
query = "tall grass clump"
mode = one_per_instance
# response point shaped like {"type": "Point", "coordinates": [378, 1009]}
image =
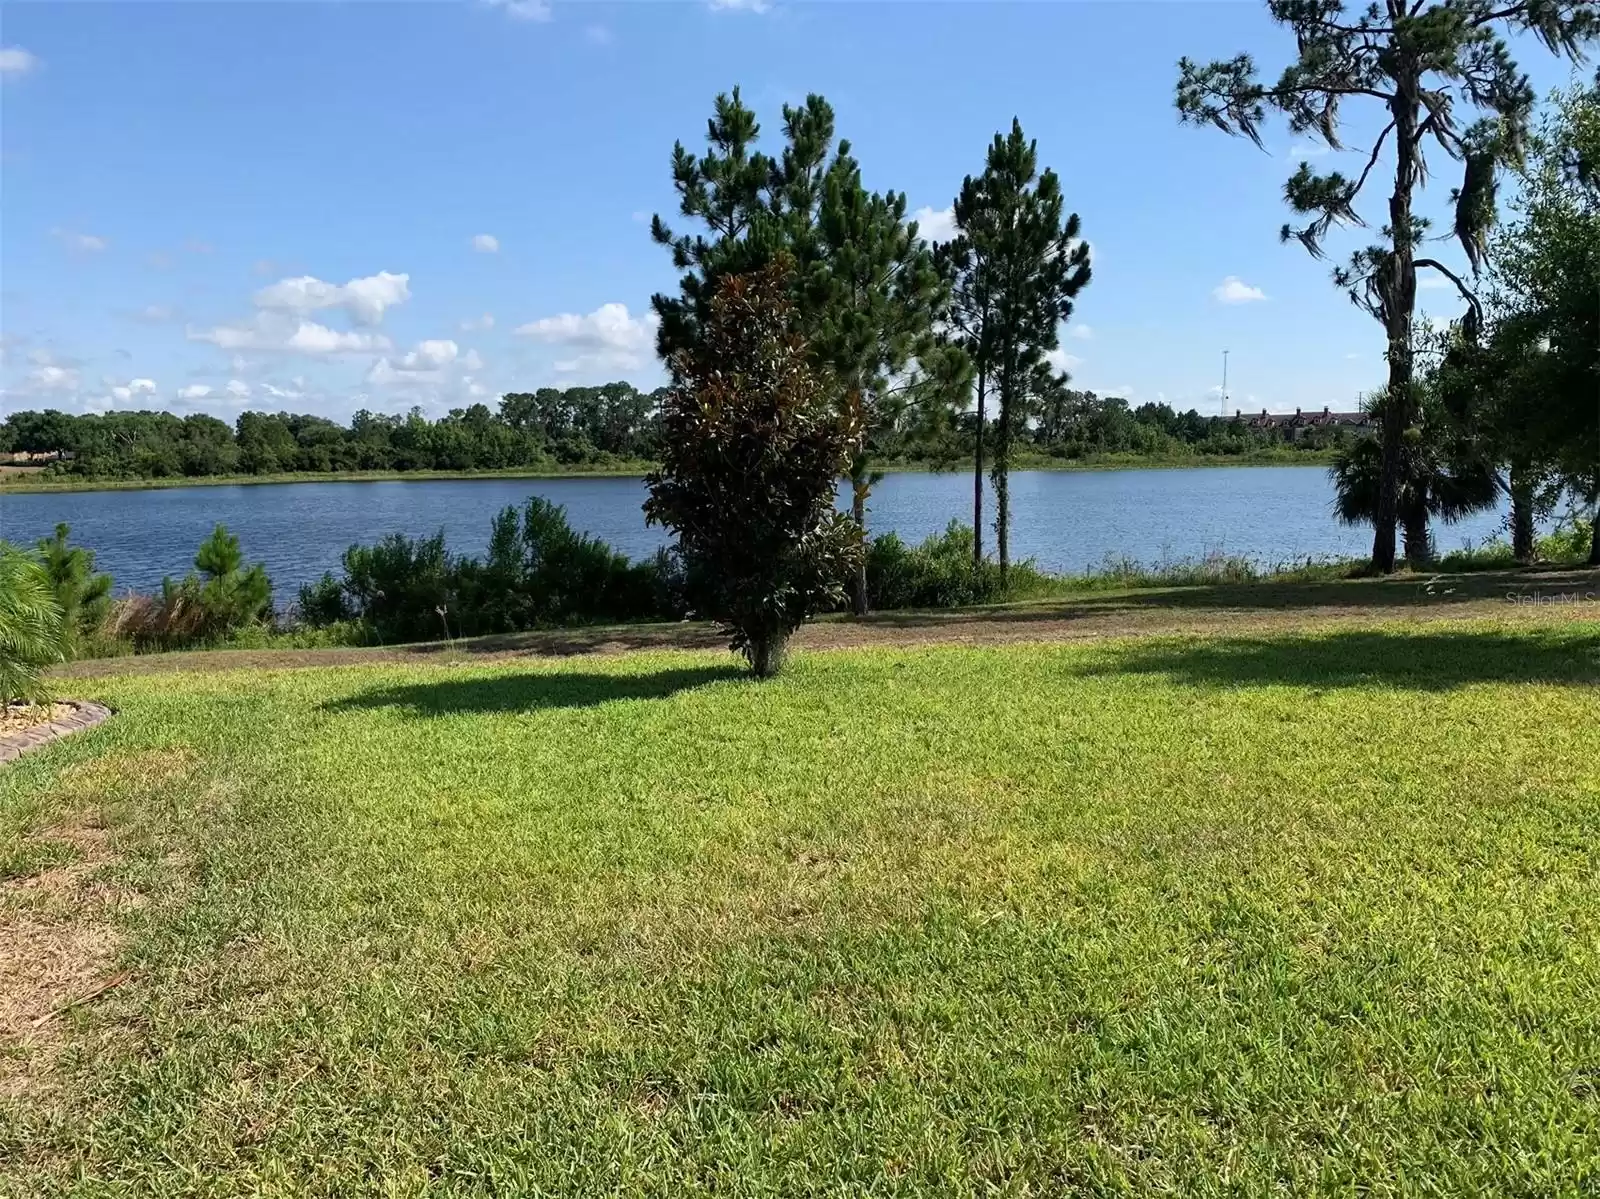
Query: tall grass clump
{"type": "Point", "coordinates": [219, 600]}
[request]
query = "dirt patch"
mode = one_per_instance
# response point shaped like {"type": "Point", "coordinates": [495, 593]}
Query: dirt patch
{"type": "Point", "coordinates": [58, 941]}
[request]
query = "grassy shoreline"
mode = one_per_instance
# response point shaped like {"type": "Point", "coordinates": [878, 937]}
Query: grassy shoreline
{"type": "Point", "coordinates": [23, 485]}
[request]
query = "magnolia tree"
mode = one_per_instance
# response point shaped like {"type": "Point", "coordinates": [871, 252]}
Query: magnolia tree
{"type": "Point", "coordinates": [752, 445]}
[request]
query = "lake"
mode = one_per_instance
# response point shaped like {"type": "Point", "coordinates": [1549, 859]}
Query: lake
{"type": "Point", "coordinates": [1066, 520]}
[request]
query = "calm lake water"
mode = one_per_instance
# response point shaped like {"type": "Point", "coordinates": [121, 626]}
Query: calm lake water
{"type": "Point", "coordinates": [1067, 520]}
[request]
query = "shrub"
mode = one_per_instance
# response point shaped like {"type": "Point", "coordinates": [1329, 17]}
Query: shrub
{"type": "Point", "coordinates": [752, 447]}
{"type": "Point", "coordinates": [940, 573]}
{"type": "Point", "coordinates": [540, 572]}
{"type": "Point", "coordinates": [1570, 542]}
{"type": "Point", "coordinates": [937, 574]}
{"type": "Point", "coordinates": [32, 626]}
{"type": "Point", "coordinates": [83, 595]}
{"type": "Point", "coordinates": [322, 603]}
{"type": "Point", "coordinates": [402, 587]}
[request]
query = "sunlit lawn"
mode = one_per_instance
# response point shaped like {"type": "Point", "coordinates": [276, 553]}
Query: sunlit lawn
{"type": "Point", "coordinates": [1257, 916]}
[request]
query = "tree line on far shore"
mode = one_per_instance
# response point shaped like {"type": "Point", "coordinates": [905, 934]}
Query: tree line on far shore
{"type": "Point", "coordinates": [611, 427]}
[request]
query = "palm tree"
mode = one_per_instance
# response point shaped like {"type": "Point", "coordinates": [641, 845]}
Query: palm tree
{"type": "Point", "coordinates": [1441, 478]}
{"type": "Point", "coordinates": [32, 631]}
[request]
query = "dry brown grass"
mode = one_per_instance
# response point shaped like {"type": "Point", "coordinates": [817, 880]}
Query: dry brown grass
{"type": "Point", "coordinates": [59, 929]}
{"type": "Point", "coordinates": [57, 944]}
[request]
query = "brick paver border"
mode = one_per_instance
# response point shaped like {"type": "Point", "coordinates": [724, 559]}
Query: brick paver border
{"type": "Point", "coordinates": [84, 715]}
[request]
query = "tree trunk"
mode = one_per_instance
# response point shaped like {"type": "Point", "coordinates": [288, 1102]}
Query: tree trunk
{"type": "Point", "coordinates": [1594, 541]}
{"type": "Point", "coordinates": [860, 487]}
{"type": "Point", "coordinates": [1398, 297]}
{"type": "Point", "coordinates": [766, 653]}
{"type": "Point", "coordinates": [977, 470]}
{"type": "Point", "coordinates": [1002, 468]}
{"type": "Point", "coordinates": [1521, 490]}
{"type": "Point", "coordinates": [1418, 544]}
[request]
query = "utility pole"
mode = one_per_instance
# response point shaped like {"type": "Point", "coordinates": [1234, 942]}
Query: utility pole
{"type": "Point", "coordinates": [1224, 384]}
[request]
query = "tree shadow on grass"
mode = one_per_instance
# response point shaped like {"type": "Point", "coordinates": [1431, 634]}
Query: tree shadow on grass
{"type": "Point", "coordinates": [1431, 661]}
{"type": "Point", "coordinates": [1409, 591]}
{"type": "Point", "coordinates": [531, 692]}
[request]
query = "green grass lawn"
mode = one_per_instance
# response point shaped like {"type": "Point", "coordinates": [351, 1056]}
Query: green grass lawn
{"type": "Point", "coordinates": [1284, 914]}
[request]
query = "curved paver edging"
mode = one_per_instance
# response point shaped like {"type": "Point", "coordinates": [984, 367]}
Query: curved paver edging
{"type": "Point", "coordinates": [85, 715]}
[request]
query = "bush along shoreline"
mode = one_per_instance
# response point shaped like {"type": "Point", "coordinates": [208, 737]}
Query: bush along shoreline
{"type": "Point", "coordinates": [539, 573]}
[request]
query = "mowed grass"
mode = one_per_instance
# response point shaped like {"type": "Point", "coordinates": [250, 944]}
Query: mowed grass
{"type": "Point", "coordinates": [1288, 914]}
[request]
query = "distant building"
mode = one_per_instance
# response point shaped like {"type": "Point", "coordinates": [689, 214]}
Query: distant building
{"type": "Point", "coordinates": [1292, 427]}
{"type": "Point", "coordinates": [36, 457]}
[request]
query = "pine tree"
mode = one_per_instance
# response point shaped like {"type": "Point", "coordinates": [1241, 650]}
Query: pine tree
{"type": "Point", "coordinates": [1020, 262]}
{"type": "Point", "coordinates": [83, 595]}
{"type": "Point", "coordinates": [967, 262]}
{"type": "Point", "coordinates": [1425, 63]}
{"type": "Point", "coordinates": [868, 301]}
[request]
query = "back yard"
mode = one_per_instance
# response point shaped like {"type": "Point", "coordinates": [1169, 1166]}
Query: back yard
{"type": "Point", "coordinates": [1269, 909]}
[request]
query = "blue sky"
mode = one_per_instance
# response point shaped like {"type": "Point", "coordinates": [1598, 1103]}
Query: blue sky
{"type": "Point", "coordinates": [322, 207]}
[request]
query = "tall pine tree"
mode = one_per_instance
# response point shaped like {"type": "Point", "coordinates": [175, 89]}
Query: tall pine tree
{"type": "Point", "coordinates": [1020, 261]}
{"type": "Point", "coordinates": [1425, 64]}
{"type": "Point", "coordinates": [870, 298]}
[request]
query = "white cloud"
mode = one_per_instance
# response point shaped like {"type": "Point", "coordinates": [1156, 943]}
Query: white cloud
{"type": "Point", "coordinates": [1081, 332]}
{"type": "Point", "coordinates": [53, 378]}
{"type": "Point", "coordinates": [606, 339]}
{"type": "Point", "coordinates": [195, 391]}
{"type": "Point", "coordinates": [273, 332]}
{"type": "Point", "coordinates": [755, 6]}
{"type": "Point", "coordinates": [1060, 360]}
{"type": "Point", "coordinates": [476, 324]}
{"type": "Point", "coordinates": [365, 299]}
{"type": "Point", "coordinates": [1234, 290]}
{"type": "Point", "coordinates": [238, 389]}
{"type": "Point", "coordinates": [425, 363]}
{"type": "Point", "coordinates": [429, 356]}
{"type": "Point", "coordinates": [472, 361]}
{"type": "Point", "coordinates": [134, 387]}
{"type": "Point", "coordinates": [84, 243]}
{"type": "Point", "coordinates": [16, 62]}
{"type": "Point", "coordinates": [522, 10]}
{"type": "Point", "coordinates": [934, 225]}
{"type": "Point", "coordinates": [154, 314]}
{"type": "Point", "coordinates": [486, 243]}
